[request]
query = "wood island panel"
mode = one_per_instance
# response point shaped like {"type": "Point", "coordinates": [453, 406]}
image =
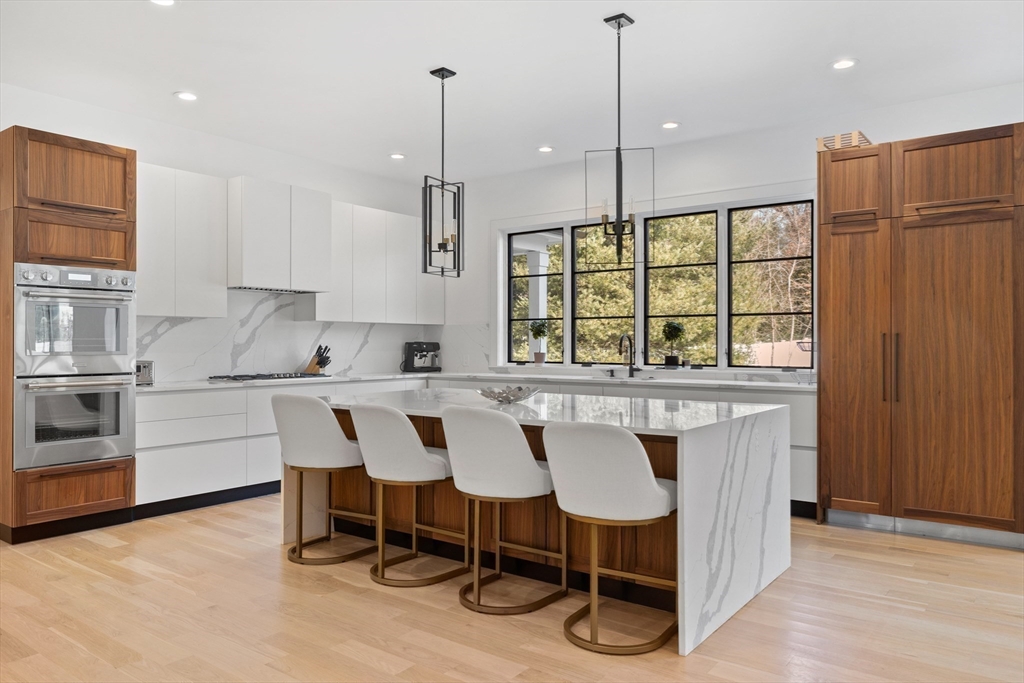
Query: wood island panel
{"type": "Point", "coordinates": [649, 550]}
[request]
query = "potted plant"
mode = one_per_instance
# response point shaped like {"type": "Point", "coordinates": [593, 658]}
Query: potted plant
{"type": "Point", "coordinates": [539, 330]}
{"type": "Point", "coordinates": [672, 331]}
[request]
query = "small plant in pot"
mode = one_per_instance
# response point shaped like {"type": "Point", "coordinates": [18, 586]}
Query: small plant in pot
{"type": "Point", "coordinates": [672, 331]}
{"type": "Point", "coordinates": [539, 331]}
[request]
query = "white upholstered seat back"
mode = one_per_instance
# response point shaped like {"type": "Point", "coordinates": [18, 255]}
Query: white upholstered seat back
{"type": "Point", "coordinates": [490, 455]}
{"type": "Point", "coordinates": [392, 450]}
{"type": "Point", "coordinates": [602, 471]}
{"type": "Point", "coordinates": [310, 434]}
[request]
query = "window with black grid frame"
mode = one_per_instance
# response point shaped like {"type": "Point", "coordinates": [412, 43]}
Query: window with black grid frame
{"type": "Point", "coordinates": [535, 267]}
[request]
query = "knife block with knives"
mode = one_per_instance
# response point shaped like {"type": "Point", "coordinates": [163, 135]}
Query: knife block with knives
{"type": "Point", "coordinates": [319, 361]}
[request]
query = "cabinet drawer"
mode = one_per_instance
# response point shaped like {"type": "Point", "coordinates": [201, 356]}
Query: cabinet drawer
{"type": "Point", "coordinates": [180, 405]}
{"type": "Point", "coordinates": [854, 185]}
{"type": "Point", "coordinates": [51, 493]}
{"type": "Point", "coordinates": [65, 239]}
{"type": "Point", "coordinates": [189, 430]}
{"type": "Point", "coordinates": [179, 471]}
{"type": "Point", "coordinates": [61, 173]}
{"type": "Point", "coordinates": [803, 413]}
{"type": "Point", "coordinates": [970, 171]}
{"type": "Point", "coordinates": [262, 460]}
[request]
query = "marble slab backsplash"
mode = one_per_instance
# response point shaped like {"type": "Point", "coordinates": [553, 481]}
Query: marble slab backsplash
{"type": "Point", "coordinates": [260, 334]}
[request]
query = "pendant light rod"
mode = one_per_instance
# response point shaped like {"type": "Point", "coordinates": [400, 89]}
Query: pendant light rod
{"type": "Point", "coordinates": [617, 22]}
{"type": "Point", "coordinates": [443, 73]}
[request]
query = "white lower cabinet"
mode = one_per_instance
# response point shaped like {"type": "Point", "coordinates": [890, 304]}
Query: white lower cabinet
{"type": "Point", "coordinates": [179, 471]}
{"type": "Point", "coordinates": [262, 459]}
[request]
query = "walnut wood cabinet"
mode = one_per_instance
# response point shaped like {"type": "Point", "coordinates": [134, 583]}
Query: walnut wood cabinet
{"type": "Point", "coordinates": [74, 199]}
{"type": "Point", "coordinates": [921, 407]}
{"type": "Point", "coordinates": [50, 493]}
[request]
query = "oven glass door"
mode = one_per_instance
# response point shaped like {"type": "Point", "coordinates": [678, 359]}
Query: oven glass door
{"type": "Point", "coordinates": [67, 332]}
{"type": "Point", "coordinates": [63, 420]}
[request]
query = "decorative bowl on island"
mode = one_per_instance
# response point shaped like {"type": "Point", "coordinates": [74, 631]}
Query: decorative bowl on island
{"type": "Point", "coordinates": [508, 394]}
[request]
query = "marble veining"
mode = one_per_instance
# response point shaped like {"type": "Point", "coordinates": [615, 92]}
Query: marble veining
{"type": "Point", "coordinates": [259, 334]}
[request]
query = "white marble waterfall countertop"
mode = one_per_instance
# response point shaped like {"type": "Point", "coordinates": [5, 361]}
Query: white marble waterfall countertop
{"type": "Point", "coordinates": [196, 385]}
{"type": "Point", "coordinates": [638, 415]}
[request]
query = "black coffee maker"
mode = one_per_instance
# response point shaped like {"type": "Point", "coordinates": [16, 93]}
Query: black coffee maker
{"type": "Point", "coordinates": [422, 356]}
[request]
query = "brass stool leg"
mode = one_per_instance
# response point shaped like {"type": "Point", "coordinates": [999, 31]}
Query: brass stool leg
{"type": "Point", "coordinates": [377, 571]}
{"type": "Point", "coordinates": [593, 644]}
{"type": "Point", "coordinates": [295, 552]}
{"type": "Point", "coordinates": [476, 604]}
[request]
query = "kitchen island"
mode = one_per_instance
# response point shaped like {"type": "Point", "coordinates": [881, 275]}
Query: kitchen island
{"type": "Point", "coordinates": [729, 540]}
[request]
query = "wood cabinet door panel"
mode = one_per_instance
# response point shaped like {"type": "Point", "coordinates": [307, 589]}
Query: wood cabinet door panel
{"type": "Point", "coordinates": [854, 420]}
{"type": "Point", "coordinates": [958, 172]}
{"type": "Point", "coordinates": [50, 493]}
{"type": "Point", "coordinates": [57, 172]}
{"type": "Point", "coordinates": [956, 310]}
{"type": "Point", "coordinates": [855, 184]}
{"type": "Point", "coordinates": [59, 238]}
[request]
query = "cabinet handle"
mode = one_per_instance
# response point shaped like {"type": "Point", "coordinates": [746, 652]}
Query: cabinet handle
{"type": "Point", "coordinates": [78, 473]}
{"type": "Point", "coordinates": [80, 207]}
{"type": "Point", "coordinates": [896, 368]}
{"type": "Point", "coordinates": [91, 259]}
{"type": "Point", "coordinates": [884, 397]}
{"type": "Point", "coordinates": [951, 203]}
{"type": "Point", "coordinates": [854, 213]}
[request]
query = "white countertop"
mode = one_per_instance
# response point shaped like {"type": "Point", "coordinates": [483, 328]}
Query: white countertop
{"type": "Point", "coordinates": [197, 385]}
{"type": "Point", "coordinates": [688, 381]}
{"type": "Point", "coordinates": [639, 415]}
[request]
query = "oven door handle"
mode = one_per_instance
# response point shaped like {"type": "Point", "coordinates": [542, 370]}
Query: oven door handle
{"type": "Point", "coordinates": [36, 294]}
{"type": "Point", "coordinates": [36, 386]}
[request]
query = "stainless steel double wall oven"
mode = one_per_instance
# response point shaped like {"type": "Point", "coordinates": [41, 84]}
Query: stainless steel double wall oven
{"type": "Point", "coordinates": [74, 365]}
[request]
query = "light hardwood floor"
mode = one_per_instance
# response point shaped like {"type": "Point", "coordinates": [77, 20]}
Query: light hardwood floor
{"type": "Point", "coordinates": [208, 595]}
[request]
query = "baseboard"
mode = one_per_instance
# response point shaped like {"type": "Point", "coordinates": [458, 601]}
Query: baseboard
{"type": "Point", "coordinates": [203, 500]}
{"type": "Point", "coordinates": [803, 508]}
{"type": "Point", "coordinates": [60, 527]}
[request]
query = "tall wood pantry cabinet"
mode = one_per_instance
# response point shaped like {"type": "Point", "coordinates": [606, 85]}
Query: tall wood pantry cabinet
{"type": "Point", "coordinates": [921, 286]}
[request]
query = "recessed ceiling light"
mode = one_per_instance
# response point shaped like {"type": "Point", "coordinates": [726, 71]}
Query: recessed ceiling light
{"type": "Point", "coordinates": [670, 124]}
{"type": "Point", "coordinates": [397, 156]}
{"type": "Point", "coordinates": [843, 63]}
{"type": "Point", "coordinates": [163, 3]}
{"type": "Point", "coordinates": [545, 149]}
{"type": "Point", "coordinates": [187, 96]}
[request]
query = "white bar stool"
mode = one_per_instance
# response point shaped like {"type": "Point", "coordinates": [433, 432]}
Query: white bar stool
{"type": "Point", "coordinates": [603, 477]}
{"type": "Point", "coordinates": [312, 441]}
{"type": "Point", "coordinates": [395, 456]}
{"type": "Point", "coordinates": [492, 462]}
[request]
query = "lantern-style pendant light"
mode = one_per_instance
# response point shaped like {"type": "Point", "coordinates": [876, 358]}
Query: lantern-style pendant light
{"type": "Point", "coordinates": [442, 212]}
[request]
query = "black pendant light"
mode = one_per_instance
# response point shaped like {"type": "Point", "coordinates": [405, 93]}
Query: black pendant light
{"type": "Point", "coordinates": [623, 224]}
{"type": "Point", "coordinates": [442, 212]}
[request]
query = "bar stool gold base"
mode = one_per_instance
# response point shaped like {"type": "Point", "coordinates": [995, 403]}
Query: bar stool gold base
{"type": "Point", "coordinates": [637, 649]}
{"type": "Point", "coordinates": [590, 609]}
{"type": "Point", "coordinates": [295, 552]}
{"type": "Point", "coordinates": [474, 602]}
{"type": "Point", "coordinates": [378, 572]}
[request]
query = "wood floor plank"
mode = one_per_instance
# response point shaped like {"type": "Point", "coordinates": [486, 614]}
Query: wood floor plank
{"type": "Point", "coordinates": [208, 595]}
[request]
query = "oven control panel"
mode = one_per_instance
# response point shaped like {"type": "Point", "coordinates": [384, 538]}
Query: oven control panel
{"type": "Point", "coordinates": [39, 275]}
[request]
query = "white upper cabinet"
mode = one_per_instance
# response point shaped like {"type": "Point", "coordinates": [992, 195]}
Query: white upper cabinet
{"type": "Point", "coordinates": [311, 240]}
{"type": "Point", "coordinates": [429, 298]}
{"type": "Point", "coordinates": [259, 234]}
{"type": "Point", "coordinates": [279, 236]}
{"type": "Point", "coordinates": [201, 245]}
{"type": "Point", "coordinates": [181, 243]}
{"type": "Point", "coordinates": [369, 263]}
{"type": "Point", "coordinates": [334, 305]}
{"type": "Point", "coordinates": [402, 267]}
{"type": "Point", "coordinates": [154, 240]}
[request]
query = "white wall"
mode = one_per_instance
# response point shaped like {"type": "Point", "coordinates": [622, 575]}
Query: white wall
{"type": "Point", "coordinates": [758, 164]}
{"type": "Point", "coordinates": [166, 145]}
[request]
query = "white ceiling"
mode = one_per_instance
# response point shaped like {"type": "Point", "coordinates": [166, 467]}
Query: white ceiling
{"type": "Point", "coordinates": [347, 82]}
